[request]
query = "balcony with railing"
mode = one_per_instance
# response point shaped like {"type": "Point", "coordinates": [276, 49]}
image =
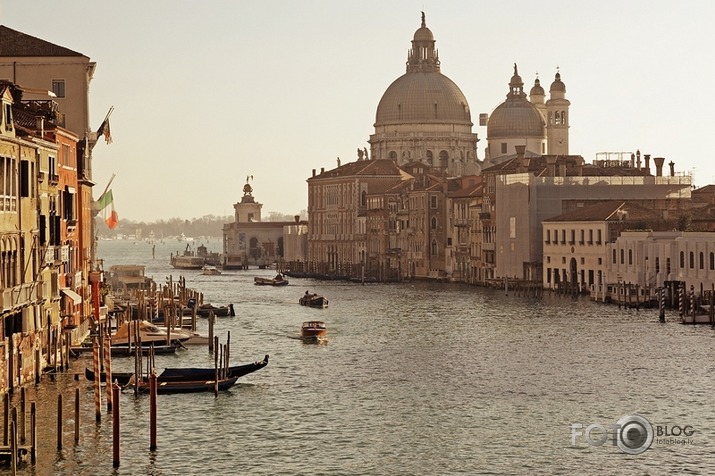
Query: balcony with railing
{"type": "Point", "coordinates": [18, 296]}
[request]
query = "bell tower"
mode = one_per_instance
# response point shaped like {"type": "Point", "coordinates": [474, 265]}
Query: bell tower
{"type": "Point", "coordinates": [248, 210]}
{"type": "Point", "coordinates": [557, 118]}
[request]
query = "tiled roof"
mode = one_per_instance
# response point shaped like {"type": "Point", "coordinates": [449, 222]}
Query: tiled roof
{"type": "Point", "coordinates": [375, 167]}
{"type": "Point", "coordinates": [15, 43]}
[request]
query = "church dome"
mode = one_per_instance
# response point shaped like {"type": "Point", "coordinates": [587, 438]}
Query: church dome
{"type": "Point", "coordinates": [516, 117]}
{"type": "Point", "coordinates": [537, 90]}
{"type": "Point", "coordinates": [558, 85]}
{"type": "Point", "coordinates": [423, 94]}
{"type": "Point", "coordinates": [423, 97]}
{"type": "Point", "coordinates": [423, 34]}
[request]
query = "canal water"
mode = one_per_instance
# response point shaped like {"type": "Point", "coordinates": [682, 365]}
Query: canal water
{"type": "Point", "coordinates": [416, 379]}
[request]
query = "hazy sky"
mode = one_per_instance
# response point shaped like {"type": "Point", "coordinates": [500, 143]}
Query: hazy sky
{"type": "Point", "coordinates": [206, 93]}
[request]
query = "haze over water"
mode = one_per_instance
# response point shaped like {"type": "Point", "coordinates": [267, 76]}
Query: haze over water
{"type": "Point", "coordinates": [416, 379]}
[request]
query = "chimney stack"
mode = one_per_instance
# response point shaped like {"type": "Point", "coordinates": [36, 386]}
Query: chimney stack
{"type": "Point", "coordinates": [647, 162]}
{"type": "Point", "coordinates": [658, 166]}
{"type": "Point", "coordinates": [672, 168]}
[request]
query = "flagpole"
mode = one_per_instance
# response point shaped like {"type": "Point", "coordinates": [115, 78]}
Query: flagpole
{"type": "Point", "coordinates": [108, 184]}
{"type": "Point", "coordinates": [109, 113]}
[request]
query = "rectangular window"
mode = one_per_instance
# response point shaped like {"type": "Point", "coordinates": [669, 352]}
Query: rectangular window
{"type": "Point", "coordinates": [433, 201]}
{"type": "Point", "coordinates": [8, 117]}
{"type": "Point", "coordinates": [58, 87]}
{"type": "Point", "coordinates": [503, 147]}
{"type": "Point", "coordinates": [25, 183]}
{"type": "Point", "coordinates": [512, 227]}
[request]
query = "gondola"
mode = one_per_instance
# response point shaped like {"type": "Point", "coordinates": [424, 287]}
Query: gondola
{"type": "Point", "coordinates": [188, 386]}
{"type": "Point", "coordinates": [184, 374]}
{"type": "Point", "coordinates": [194, 373]}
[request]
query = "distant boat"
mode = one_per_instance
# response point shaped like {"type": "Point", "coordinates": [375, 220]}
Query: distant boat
{"type": "Point", "coordinates": [279, 280]}
{"type": "Point", "coordinates": [313, 300]}
{"type": "Point", "coordinates": [210, 270]}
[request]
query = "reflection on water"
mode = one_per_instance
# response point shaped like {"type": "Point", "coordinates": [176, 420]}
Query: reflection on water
{"type": "Point", "coordinates": [417, 378]}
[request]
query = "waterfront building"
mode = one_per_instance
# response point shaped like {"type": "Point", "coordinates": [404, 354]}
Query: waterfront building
{"type": "Point", "coordinates": [338, 214]}
{"type": "Point", "coordinates": [576, 244]}
{"type": "Point", "coordinates": [528, 191]}
{"type": "Point", "coordinates": [654, 259]}
{"type": "Point", "coordinates": [466, 239]}
{"type": "Point", "coordinates": [46, 242]}
{"type": "Point", "coordinates": [248, 239]}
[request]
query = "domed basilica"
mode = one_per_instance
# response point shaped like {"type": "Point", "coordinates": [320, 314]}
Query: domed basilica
{"type": "Point", "coordinates": [424, 116]}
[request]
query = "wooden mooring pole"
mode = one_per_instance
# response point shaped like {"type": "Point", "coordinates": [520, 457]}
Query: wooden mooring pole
{"type": "Point", "coordinates": [115, 424]}
{"type": "Point", "coordinates": [152, 410]}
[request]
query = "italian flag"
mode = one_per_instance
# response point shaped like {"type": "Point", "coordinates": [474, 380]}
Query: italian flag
{"type": "Point", "coordinates": [105, 204]}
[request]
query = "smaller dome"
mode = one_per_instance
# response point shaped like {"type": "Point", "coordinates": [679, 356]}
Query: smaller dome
{"type": "Point", "coordinates": [557, 85]}
{"type": "Point", "coordinates": [537, 90]}
{"type": "Point", "coordinates": [515, 118]}
{"type": "Point", "coordinates": [424, 34]}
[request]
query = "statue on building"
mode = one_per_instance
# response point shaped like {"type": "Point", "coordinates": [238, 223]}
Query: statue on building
{"type": "Point", "coordinates": [365, 151]}
{"type": "Point", "coordinates": [360, 154]}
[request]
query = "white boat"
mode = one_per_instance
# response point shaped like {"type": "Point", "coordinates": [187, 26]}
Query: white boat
{"type": "Point", "coordinates": [210, 270]}
{"type": "Point", "coordinates": [148, 333]}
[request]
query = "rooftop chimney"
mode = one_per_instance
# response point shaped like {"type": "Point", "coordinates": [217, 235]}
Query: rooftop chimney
{"type": "Point", "coordinates": [658, 166]}
{"type": "Point", "coordinates": [672, 168]}
{"type": "Point", "coordinates": [647, 162]}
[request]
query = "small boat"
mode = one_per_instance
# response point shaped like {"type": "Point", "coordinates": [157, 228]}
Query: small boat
{"type": "Point", "coordinates": [210, 270]}
{"type": "Point", "coordinates": [194, 373]}
{"type": "Point", "coordinates": [279, 280]}
{"type": "Point", "coordinates": [204, 309]}
{"type": "Point", "coordinates": [313, 300]}
{"type": "Point", "coordinates": [184, 373]}
{"type": "Point", "coordinates": [313, 331]}
{"type": "Point", "coordinates": [122, 378]}
{"type": "Point", "coordinates": [148, 333]}
{"type": "Point", "coordinates": [145, 349]}
{"type": "Point", "coordinates": [188, 386]}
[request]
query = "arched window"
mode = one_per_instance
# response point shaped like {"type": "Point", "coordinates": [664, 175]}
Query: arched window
{"type": "Point", "coordinates": [429, 157]}
{"type": "Point", "coordinates": [712, 261]}
{"type": "Point", "coordinates": [363, 198]}
{"type": "Point", "coordinates": [433, 248]}
{"type": "Point", "coordinates": [434, 223]}
{"type": "Point", "coordinates": [443, 159]}
{"type": "Point", "coordinates": [614, 256]}
{"type": "Point", "coordinates": [392, 155]}
{"type": "Point", "coordinates": [701, 260]}
{"type": "Point", "coordinates": [630, 257]}
{"type": "Point", "coordinates": [691, 259]}
{"type": "Point", "coordinates": [682, 259]}
{"type": "Point", "coordinates": [623, 254]}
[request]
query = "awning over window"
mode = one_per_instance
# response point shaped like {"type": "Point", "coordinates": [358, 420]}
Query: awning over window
{"type": "Point", "coordinates": [76, 298]}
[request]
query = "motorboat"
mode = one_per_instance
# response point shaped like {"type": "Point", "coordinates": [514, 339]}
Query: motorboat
{"type": "Point", "coordinates": [313, 331]}
{"type": "Point", "coordinates": [313, 300]}
{"type": "Point", "coordinates": [278, 280]}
